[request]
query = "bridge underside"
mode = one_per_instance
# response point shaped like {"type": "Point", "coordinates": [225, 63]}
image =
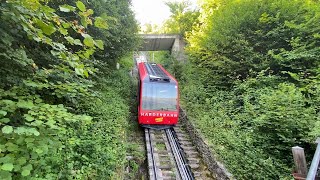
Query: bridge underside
{"type": "Point", "coordinates": [158, 42]}
{"type": "Point", "coordinates": [161, 42]}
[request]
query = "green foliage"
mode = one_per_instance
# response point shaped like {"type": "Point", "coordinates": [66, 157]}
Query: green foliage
{"type": "Point", "coordinates": [167, 61]}
{"type": "Point", "coordinates": [238, 43]}
{"type": "Point", "coordinates": [81, 6]}
{"type": "Point", "coordinates": [56, 121]}
{"type": "Point", "coordinates": [252, 84]}
{"type": "Point", "coordinates": [253, 127]}
{"type": "Point", "coordinates": [31, 131]}
{"type": "Point", "coordinates": [118, 31]}
{"type": "Point", "coordinates": [98, 149]}
{"type": "Point", "coordinates": [181, 20]}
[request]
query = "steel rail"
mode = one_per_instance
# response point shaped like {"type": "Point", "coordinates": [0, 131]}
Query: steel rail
{"type": "Point", "coordinates": [315, 163]}
{"type": "Point", "coordinates": [183, 168]}
{"type": "Point", "coordinates": [151, 159]}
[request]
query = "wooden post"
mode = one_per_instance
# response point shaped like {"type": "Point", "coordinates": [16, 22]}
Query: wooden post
{"type": "Point", "coordinates": [300, 160]}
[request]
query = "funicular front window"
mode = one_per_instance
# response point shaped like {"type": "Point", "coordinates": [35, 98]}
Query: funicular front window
{"type": "Point", "coordinates": [159, 96]}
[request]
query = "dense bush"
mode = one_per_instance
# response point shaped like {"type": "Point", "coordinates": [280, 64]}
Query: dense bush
{"type": "Point", "coordinates": [99, 147]}
{"type": "Point", "coordinates": [252, 84]}
{"type": "Point", "coordinates": [241, 38]}
{"type": "Point", "coordinates": [253, 128]}
{"type": "Point", "coordinates": [63, 106]}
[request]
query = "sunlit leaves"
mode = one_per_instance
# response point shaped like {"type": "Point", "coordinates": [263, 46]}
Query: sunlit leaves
{"type": "Point", "coordinates": [67, 8]}
{"type": "Point", "coordinates": [20, 130]}
{"type": "Point", "coordinates": [12, 147]}
{"type": "Point", "coordinates": [7, 129]}
{"type": "Point", "coordinates": [99, 44]}
{"type": "Point", "coordinates": [100, 23]}
{"type": "Point", "coordinates": [7, 167]}
{"type": "Point", "coordinates": [25, 104]}
{"type": "Point", "coordinates": [29, 118]}
{"type": "Point", "coordinates": [53, 49]}
{"type": "Point", "coordinates": [23, 130]}
{"type": "Point", "coordinates": [88, 41]}
{"type": "Point", "coordinates": [79, 71]}
{"type": "Point", "coordinates": [63, 31]}
{"type": "Point", "coordinates": [26, 170]}
{"type": "Point", "coordinates": [85, 21]}
{"type": "Point", "coordinates": [87, 13]}
{"type": "Point", "coordinates": [4, 120]}
{"type": "Point", "coordinates": [77, 42]}
{"type": "Point", "coordinates": [66, 25]}
{"type": "Point", "coordinates": [3, 113]}
{"type": "Point", "coordinates": [81, 6]}
{"type": "Point", "coordinates": [182, 19]}
{"type": "Point", "coordinates": [48, 29]}
{"type": "Point", "coordinates": [84, 17]}
{"type": "Point", "coordinates": [29, 140]}
{"type": "Point", "coordinates": [88, 53]}
{"type": "Point", "coordinates": [73, 41]}
{"type": "Point", "coordinates": [69, 39]}
{"type": "Point", "coordinates": [53, 23]}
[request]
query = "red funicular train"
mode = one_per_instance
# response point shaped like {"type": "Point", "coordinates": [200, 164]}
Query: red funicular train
{"type": "Point", "coordinates": [158, 97]}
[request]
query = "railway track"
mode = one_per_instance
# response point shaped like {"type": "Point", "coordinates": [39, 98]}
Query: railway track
{"type": "Point", "coordinates": [172, 157]}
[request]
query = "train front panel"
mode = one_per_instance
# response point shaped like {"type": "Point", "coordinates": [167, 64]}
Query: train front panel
{"type": "Point", "coordinates": [158, 117]}
{"type": "Point", "coordinates": [158, 96]}
{"type": "Point", "coordinates": [158, 103]}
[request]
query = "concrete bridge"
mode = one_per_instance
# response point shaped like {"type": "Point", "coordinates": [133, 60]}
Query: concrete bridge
{"type": "Point", "coordinates": [162, 42]}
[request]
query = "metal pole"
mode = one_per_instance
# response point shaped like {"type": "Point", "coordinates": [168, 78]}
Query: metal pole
{"type": "Point", "coordinates": [315, 163]}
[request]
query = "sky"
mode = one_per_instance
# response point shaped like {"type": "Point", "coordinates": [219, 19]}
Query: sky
{"type": "Point", "coordinates": [152, 11]}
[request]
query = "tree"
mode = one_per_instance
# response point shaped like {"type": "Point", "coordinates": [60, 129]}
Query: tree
{"type": "Point", "coordinates": [50, 56]}
{"type": "Point", "coordinates": [253, 82]}
{"type": "Point", "coordinates": [182, 18]}
{"type": "Point", "coordinates": [234, 43]}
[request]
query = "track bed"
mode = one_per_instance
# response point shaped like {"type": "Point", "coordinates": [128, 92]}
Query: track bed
{"type": "Point", "coordinates": [171, 155]}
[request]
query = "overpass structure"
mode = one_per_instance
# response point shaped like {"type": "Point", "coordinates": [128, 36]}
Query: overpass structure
{"type": "Point", "coordinates": [161, 42]}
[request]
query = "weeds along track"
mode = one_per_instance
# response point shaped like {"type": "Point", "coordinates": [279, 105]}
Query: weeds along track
{"type": "Point", "coordinates": [171, 155]}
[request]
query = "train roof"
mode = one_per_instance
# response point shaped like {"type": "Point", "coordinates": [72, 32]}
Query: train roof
{"type": "Point", "coordinates": [152, 72]}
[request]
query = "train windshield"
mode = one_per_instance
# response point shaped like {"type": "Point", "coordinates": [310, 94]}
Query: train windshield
{"type": "Point", "coordinates": [159, 96]}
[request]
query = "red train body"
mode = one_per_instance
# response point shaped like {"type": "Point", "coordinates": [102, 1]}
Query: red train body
{"type": "Point", "coordinates": [158, 97]}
